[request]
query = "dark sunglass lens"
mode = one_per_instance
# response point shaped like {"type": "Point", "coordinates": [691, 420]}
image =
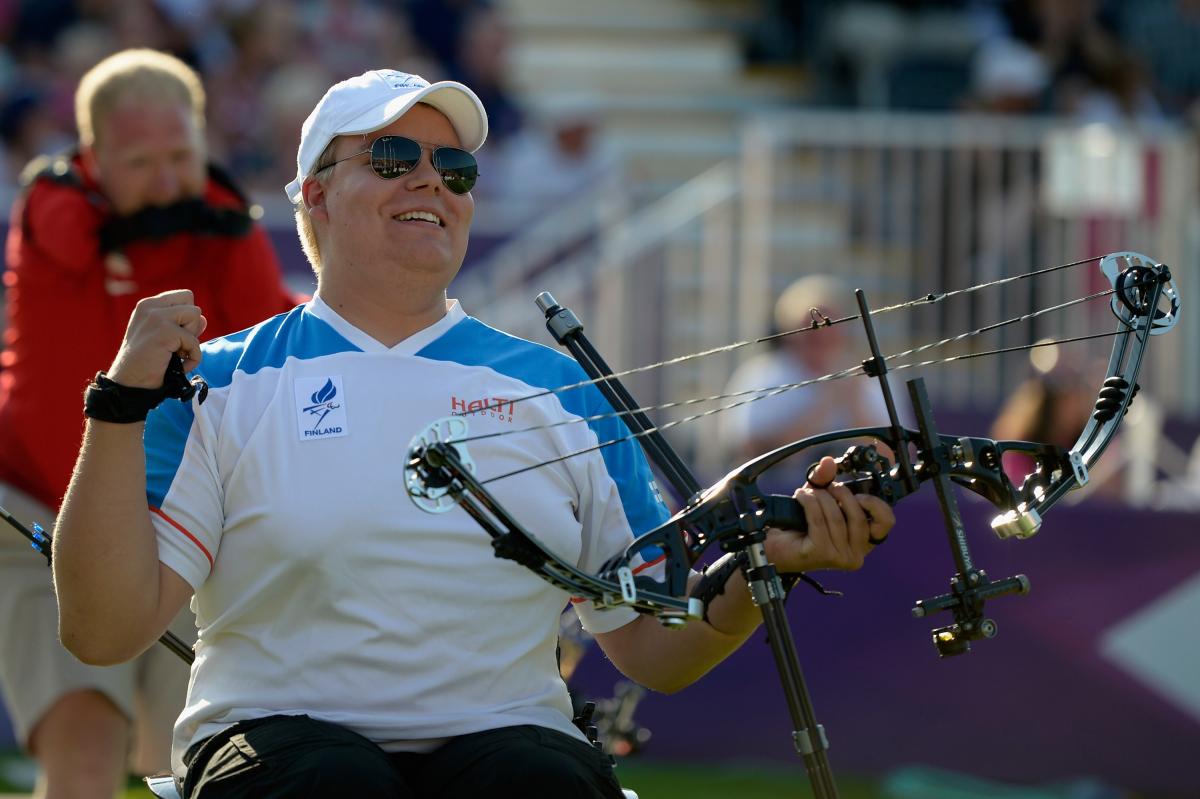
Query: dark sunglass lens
{"type": "Point", "coordinates": [393, 156]}
{"type": "Point", "coordinates": [458, 168]}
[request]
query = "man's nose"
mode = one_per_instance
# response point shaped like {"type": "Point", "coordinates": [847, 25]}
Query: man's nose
{"type": "Point", "coordinates": [423, 174]}
{"type": "Point", "coordinates": [165, 185]}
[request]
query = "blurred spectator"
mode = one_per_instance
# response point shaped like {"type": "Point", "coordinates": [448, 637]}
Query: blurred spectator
{"type": "Point", "coordinates": [27, 129]}
{"type": "Point", "coordinates": [134, 212]}
{"type": "Point", "coordinates": [438, 24]}
{"type": "Point", "coordinates": [556, 158]}
{"type": "Point", "coordinates": [1008, 77]}
{"type": "Point", "coordinates": [762, 425]}
{"type": "Point", "coordinates": [1091, 58]}
{"type": "Point", "coordinates": [1165, 36]}
{"type": "Point", "coordinates": [1062, 57]}
{"type": "Point", "coordinates": [143, 23]}
{"type": "Point", "coordinates": [286, 98]}
{"type": "Point", "coordinates": [1050, 408]}
{"type": "Point", "coordinates": [482, 63]}
{"type": "Point", "coordinates": [1053, 407]}
{"type": "Point", "coordinates": [264, 37]}
{"type": "Point", "coordinates": [37, 25]}
{"type": "Point", "coordinates": [79, 48]}
{"type": "Point", "coordinates": [349, 33]}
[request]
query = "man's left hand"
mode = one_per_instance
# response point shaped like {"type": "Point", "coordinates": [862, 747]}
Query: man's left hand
{"type": "Point", "coordinates": [841, 526]}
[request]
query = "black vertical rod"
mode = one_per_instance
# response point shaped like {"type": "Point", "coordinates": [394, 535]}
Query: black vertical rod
{"type": "Point", "coordinates": [568, 331]}
{"type": "Point", "coordinates": [876, 366]}
{"type": "Point", "coordinates": [40, 542]}
{"type": "Point", "coordinates": [808, 736]}
{"type": "Point", "coordinates": [937, 458]}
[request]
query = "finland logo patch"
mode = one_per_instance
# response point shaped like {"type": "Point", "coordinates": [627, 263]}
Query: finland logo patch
{"type": "Point", "coordinates": [320, 408]}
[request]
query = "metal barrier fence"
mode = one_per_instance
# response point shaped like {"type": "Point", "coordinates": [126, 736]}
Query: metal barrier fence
{"type": "Point", "coordinates": [901, 206]}
{"type": "Point", "coordinates": [908, 205]}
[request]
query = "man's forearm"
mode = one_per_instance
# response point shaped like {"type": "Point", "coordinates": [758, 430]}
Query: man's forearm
{"type": "Point", "coordinates": [669, 660]}
{"type": "Point", "coordinates": [106, 570]}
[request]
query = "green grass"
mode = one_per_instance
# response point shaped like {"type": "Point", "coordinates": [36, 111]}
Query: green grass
{"type": "Point", "coordinates": [654, 780]}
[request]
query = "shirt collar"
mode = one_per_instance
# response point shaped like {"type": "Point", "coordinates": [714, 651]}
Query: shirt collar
{"type": "Point", "coordinates": [409, 346]}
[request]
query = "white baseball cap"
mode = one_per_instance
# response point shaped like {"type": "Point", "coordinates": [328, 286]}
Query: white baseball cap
{"type": "Point", "coordinates": [376, 99]}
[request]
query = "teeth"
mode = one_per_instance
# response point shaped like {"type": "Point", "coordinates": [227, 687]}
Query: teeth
{"type": "Point", "coordinates": [424, 216]}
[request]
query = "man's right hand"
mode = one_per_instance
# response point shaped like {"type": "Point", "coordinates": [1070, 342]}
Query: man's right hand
{"type": "Point", "coordinates": [161, 326]}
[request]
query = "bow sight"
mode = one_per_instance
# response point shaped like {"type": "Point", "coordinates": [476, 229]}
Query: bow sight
{"type": "Point", "coordinates": [734, 514]}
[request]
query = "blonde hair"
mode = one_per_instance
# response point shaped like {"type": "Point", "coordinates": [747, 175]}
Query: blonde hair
{"type": "Point", "coordinates": [142, 73]}
{"type": "Point", "coordinates": [825, 293]}
{"type": "Point", "coordinates": [304, 225]}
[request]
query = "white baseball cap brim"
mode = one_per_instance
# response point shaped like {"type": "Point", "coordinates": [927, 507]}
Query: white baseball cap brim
{"type": "Point", "coordinates": [375, 100]}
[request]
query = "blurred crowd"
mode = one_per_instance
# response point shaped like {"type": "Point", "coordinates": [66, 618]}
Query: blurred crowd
{"type": "Point", "coordinates": [264, 63]}
{"type": "Point", "coordinates": [1095, 60]}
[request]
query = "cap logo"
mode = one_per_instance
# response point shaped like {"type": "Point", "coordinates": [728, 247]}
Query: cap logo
{"type": "Point", "coordinates": [399, 80]}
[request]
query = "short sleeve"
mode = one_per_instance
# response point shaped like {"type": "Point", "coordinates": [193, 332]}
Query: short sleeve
{"type": "Point", "coordinates": [621, 500]}
{"type": "Point", "coordinates": [183, 487]}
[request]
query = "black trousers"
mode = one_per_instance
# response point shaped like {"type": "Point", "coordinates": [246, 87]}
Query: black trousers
{"type": "Point", "coordinates": [297, 756]}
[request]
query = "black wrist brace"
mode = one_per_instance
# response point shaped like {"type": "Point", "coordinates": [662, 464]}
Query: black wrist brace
{"type": "Point", "coordinates": [107, 401]}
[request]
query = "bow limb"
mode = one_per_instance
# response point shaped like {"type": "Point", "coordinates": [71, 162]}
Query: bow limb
{"type": "Point", "coordinates": [1141, 288]}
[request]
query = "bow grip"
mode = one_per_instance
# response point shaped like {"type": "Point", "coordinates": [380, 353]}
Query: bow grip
{"type": "Point", "coordinates": [785, 513]}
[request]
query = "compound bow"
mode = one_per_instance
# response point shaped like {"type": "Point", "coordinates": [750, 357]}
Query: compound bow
{"type": "Point", "coordinates": [735, 514]}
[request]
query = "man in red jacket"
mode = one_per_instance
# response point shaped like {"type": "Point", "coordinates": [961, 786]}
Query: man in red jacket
{"type": "Point", "coordinates": [136, 211]}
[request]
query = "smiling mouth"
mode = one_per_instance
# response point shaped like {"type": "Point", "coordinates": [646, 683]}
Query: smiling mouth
{"type": "Point", "coordinates": [420, 216]}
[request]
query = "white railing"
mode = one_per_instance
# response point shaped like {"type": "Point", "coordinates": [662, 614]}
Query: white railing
{"type": "Point", "coordinates": [649, 286]}
{"type": "Point", "coordinates": [904, 205]}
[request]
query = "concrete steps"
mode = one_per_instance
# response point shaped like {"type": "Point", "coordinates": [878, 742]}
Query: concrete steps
{"type": "Point", "coordinates": [665, 80]}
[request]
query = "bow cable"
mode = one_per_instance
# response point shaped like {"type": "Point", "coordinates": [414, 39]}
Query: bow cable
{"type": "Point", "coordinates": [824, 322]}
{"type": "Point", "coordinates": [751, 395]}
{"type": "Point", "coordinates": [770, 393]}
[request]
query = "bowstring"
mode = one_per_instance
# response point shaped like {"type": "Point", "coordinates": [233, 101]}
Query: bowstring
{"type": "Point", "coordinates": [772, 391]}
{"type": "Point", "coordinates": [825, 322]}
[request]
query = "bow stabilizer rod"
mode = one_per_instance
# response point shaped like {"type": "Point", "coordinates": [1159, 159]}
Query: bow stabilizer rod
{"type": "Point", "coordinates": [568, 331]}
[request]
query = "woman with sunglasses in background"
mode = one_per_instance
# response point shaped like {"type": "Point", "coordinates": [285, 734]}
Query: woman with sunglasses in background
{"type": "Point", "coordinates": [349, 642]}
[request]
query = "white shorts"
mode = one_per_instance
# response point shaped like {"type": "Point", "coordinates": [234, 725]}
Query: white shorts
{"type": "Point", "coordinates": [35, 670]}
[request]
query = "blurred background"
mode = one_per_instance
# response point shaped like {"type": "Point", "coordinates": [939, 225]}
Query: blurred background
{"type": "Point", "coordinates": [667, 168]}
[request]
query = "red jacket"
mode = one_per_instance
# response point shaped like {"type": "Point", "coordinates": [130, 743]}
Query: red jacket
{"type": "Point", "coordinates": [68, 305]}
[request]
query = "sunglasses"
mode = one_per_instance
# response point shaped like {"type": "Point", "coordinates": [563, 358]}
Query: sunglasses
{"type": "Point", "coordinates": [396, 156]}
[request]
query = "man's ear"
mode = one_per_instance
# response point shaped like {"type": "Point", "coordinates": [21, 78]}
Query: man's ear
{"type": "Point", "coordinates": [313, 194]}
{"type": "Point", "coordinates": [87, 154]}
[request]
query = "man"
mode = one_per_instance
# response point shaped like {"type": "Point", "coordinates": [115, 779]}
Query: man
{"type": "Point", "coordinates": [351, 643]}
{"type": "Point", "coordinates": [133, 212]}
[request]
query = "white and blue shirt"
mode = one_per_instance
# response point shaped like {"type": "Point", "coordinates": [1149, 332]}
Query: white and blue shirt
{"type": "Point", "coordinates": [320, 587]}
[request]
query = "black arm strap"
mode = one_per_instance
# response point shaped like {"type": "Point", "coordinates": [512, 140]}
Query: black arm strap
{"type": "Point", "coordinates": [712, 582]}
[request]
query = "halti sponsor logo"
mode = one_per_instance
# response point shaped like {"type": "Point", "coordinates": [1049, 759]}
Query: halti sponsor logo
{"type": "Point", "coordinates": [495, 407]}
{"type": "Point", "coordinates": [321, 411]}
